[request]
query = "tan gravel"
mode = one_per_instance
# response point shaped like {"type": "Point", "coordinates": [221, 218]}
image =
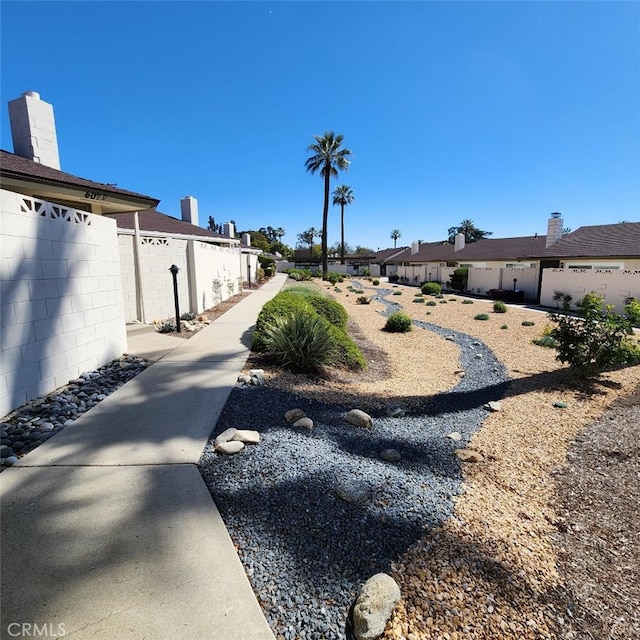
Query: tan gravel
{"type": "Point", "coordinates": [491, 571]}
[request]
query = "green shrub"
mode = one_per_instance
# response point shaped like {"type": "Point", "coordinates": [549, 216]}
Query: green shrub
{"type": "Point", "coordinates": [363, 300]}
{"type": "Point", "coordinates": [443, 302]}
{"type": "Point", "coordinates": [467, 301]}
{"type": "Point", "coordinates": [632, 311]}
{"type": "Point", "coordinates": [431, 303]}
{"type": "Point", "coordinates": [358, 291]}
{"type": "Point", "coordinates": [431, 288]}
{"type": "Point", "coordinates": [376, 283]}
{"type": "Point", "coordinates": [528, 323]}
{"type": "Point", "coordinates": [301, 340]}
{"type": "Point", "coordinates": [546, 341]}
{"type": "Point", "coordinates": [189, 315]}
{"type": "Point", "coordinates": [596, 340]}
{"type": "Point", "coordinates": [398, 322]}
{"type": "Point", "coordinates": [504, 326]}
{"type": "Point", "coordinates": [299, 274]}
{"type": "Point", "coordinates": [166, 327]}
{"type": "Point", "coordinates": [481, 316]}
{"type": "Point", "coordinates": [499, 307]}
{"type": "Point", "coordinates": [419, 300]}
{"type": "Point", "coordinates": [337, 290]}
{"type": "Point", "coordinates": [330, 309]}
{"type": "Point", "coordinates": [397, 293]}
{"type": "Point", "coordinates": [286, 303]}
{"type": "Point", "coordinates": [334, 277]}
{"type": "Point", "coordinates": [347, 353]}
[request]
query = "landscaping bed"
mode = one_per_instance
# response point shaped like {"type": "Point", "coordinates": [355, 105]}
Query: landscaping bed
{"type": "Point", "coordinates": [498, 566]}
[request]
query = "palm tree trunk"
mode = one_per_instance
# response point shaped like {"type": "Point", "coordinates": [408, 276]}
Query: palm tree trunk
{"type": "Point", "coordinates": [325, 215]}
{"type": "Point", "coordinates": [342, 233]}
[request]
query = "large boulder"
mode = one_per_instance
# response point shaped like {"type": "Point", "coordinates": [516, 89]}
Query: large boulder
{"type": "Point", "coordinates": [374, 605]}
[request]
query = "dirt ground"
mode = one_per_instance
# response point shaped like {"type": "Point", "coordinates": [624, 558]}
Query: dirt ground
{"type": "Point", "coordinates": [545, 539]}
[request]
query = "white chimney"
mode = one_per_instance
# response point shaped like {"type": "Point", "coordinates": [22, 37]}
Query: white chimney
{"type": "Point", "coordinates": [33, 129]}
{"type": "Point", "coordinates": [554, 229]}
{"type": "Point", "coordinates": [459, 242]}
{"type": "Point", "coordinates": [415, 247]}
{"type": "Point", "coordinates": [189, 210]}
{"type": "Point", "coordinates": [246, 239]}
{"type": "Point", "coordinates": [229, 230]}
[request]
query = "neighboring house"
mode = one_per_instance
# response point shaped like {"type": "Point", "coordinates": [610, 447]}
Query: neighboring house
{"type": "Point", "coordinates": [603, 258]}
{"type": "Point", "coordinates": [24, 176]}
{"type": "Point", "coordinates": [75, 264]}
{"type": "Point", "coordinates": [537, 265]}
{"type": "Point", "coordinates": [380, 263]}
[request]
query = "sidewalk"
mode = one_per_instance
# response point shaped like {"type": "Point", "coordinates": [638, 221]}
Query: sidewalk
{"type": "Point", "coordinates": [108, 530]}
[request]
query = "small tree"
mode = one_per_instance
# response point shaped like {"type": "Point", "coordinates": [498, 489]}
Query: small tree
{"type": "Point", "coordinates": [595, 340]}
{"type": "Point", "coordinates": [458, 279]}
{"type": "Point", "coordinates": [395, 235]}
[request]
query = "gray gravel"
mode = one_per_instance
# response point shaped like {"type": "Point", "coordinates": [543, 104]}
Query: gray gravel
{"type": "Point", "coordinates": [307, 551]}
{"type": "Point", "coordinates": [34, 423]}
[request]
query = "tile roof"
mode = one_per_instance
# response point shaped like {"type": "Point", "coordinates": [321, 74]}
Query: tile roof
{"type": "Point", "coordinates": [14, 166]}
{"type": "Point", "coordinates": [485, 249]}
{"type": "Point", "coordinates": [152, 220]}
{"type": "Point", "coordinates": [596, 241]}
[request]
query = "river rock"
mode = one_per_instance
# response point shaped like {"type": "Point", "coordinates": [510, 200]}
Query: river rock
{"type": "Point", "coordinates": [304, 423]}
{"type": "Point", "coordinates": [468, 455]}
{"type": "Point", "coordinates": [229, 447]}
{"type": "Point", "coordinates": [248, 436]}
{"type": "Point", "coordinates": [225, 436]}
{"type": "Point", "coordinates": [374, 605]}
{"type": "Point", "coordinates": [391, 455]}
{"type": "Point", "coordinates": [293, 415]}
{"type": "Point", "coordinates": [358, 418]}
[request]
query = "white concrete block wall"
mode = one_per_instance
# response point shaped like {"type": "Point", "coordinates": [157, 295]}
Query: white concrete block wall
{"type": "Point", "coordinates": [481, 280]}
{"type": "Point", "coordinates": [213, 263]}
{"type": "Point", "coordinates": [128, 277]}
{"type": "Point", "coordinates": [156, 257]}
{"type": "Point", "coordinates": [61, 306]}
{"type": "Point", "coordinates": [613, 286]}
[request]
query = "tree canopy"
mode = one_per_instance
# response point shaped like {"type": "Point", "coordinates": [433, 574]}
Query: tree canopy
{"type": "Point", "coordinates": [327, 157]}
{"type": "Point", "coordinates": [343, 195]}
{"type": "Point", "coordinates": [470, 231]}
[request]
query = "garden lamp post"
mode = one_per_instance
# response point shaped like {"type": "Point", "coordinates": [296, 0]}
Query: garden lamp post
{"type": "Point", "coordinates": [515, 280]}
{"type": "Point", "coordinates": [249, 269]}
{"type": "Point", "coordinates": [174, 272]}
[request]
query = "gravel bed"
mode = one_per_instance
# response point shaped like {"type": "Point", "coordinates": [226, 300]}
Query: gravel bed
{"type": "Point", "coordinates": [307, 551]}
{"type": "Point", "coordinates": [34, 423]}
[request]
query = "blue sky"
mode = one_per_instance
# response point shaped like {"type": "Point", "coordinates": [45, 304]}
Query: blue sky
{"type": "Point", "coordinates": [501, 112]}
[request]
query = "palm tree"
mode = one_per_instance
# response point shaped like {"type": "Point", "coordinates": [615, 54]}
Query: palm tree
{"type": "Point", "coordinates": [307, 237]}
{"type": "Point", "coordinates": [327, 158]}
{"type": "Point", "coordinates": [343, 195]}
{"type": "Point", "coordinates": [395, 234]}
{"type": "Point", "coordinates": [280, 233]}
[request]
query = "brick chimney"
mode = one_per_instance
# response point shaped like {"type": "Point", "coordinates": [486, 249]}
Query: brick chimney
{"type": "Point", "coordinates": [189, 210]}
{"type": "Point", "coordinates": [459, 242]}
{"type": "Point", "coordinates": [554, 229]}
{"type": "Point", "coordinates": [33, 129]}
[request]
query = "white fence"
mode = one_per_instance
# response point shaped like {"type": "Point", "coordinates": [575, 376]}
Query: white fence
{"type": "Point", "coordinates": [613, 285]}
{"type": "Point", "coordinates": [61, 308]}
{"type": "Point", "coordinates": [208, 274]}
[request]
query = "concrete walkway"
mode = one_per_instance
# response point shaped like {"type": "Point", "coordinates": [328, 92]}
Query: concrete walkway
{"type": "Point", "coordinates": [108, 530]}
